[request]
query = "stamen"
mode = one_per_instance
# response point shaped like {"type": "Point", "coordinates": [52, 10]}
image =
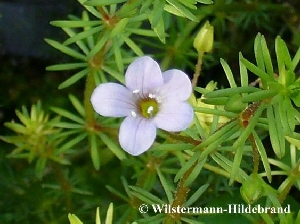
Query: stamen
{"type": "Point", "coordinates": [152, 96]}
{"type": "Point", "coordinates": [158, 99]}
{"type": "Point", "coordinates": [133, 113]}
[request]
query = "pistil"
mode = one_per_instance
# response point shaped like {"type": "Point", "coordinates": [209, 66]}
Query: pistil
{"type": "Point", "coordinates": [148, 107]}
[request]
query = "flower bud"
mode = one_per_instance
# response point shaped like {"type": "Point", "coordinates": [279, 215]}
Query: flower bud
{"type": "Point", "coordinates": [235, 104]}
{"type": "Point", "coordinates": [205, 38]}
{"type": "Point", "coordinates": [251, 189]}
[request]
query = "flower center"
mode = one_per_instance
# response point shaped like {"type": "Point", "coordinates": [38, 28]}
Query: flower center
{"type": "Point", "coordinates": [148, 107]}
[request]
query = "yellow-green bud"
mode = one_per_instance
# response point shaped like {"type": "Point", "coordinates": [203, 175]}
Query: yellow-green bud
{"type": "Point", "coordinates": [205, 38]}
{"type": "Point", "coordinates": [251, 189]}
{"type": "Point", "coordinates": [235, 104]}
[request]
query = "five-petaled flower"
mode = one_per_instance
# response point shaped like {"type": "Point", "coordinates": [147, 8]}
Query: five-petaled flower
{"type": "Point", "coordinates": [150, 100]}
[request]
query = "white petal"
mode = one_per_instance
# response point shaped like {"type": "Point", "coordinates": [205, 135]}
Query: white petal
{"type": "Point", "coordinates": [143, 75]}
{"type": "Point", "coordinates": [112, 100]}
{"type": "Point", "coordinates": [177, 85]}
{"type": "Point", "coordinates": [174, 116]}
{"type": "Point", "coordinates": [136, 135]}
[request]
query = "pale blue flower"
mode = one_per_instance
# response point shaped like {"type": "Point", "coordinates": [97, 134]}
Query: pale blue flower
{"type": "Point", "coordinates": [150, 100]}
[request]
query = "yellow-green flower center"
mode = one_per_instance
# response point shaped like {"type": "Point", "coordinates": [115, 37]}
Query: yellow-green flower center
{"type": "Point", "coordinates": [148, 108]}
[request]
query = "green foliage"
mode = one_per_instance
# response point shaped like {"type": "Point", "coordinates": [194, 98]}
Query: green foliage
{"type": "Point", "coordinates": [108, 220]}
{"type": "Point", "coordinates": [35, 138]}
{"type": "Point", "coordinates": [242, 147]}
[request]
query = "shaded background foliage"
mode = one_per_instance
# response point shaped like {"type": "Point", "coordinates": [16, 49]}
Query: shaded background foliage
{"type": "Point", "coordinates": [24, 81]}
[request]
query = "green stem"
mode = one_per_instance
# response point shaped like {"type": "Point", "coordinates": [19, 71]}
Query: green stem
{"type": "Point", "coordinates": [198, 69]}
{"type": "Point", "coordinates": [166, 61]}
{"type": "Point", "coordinates": [95, 63]}
{"type": "Point", "coordinates": [186, 139]}
{"type": "Point", "coordinates": [180, 197]}
{"type": "Point", "coordinates": [289, 182]}
{"type": "Point", "coordinates": [65, 185]}
{"type": "Point", "coordinates": [89, 110]}
{"type": "Point", "coordinates": [245, 117]}
{"type": "Point", "coordinates": [255, 154]}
